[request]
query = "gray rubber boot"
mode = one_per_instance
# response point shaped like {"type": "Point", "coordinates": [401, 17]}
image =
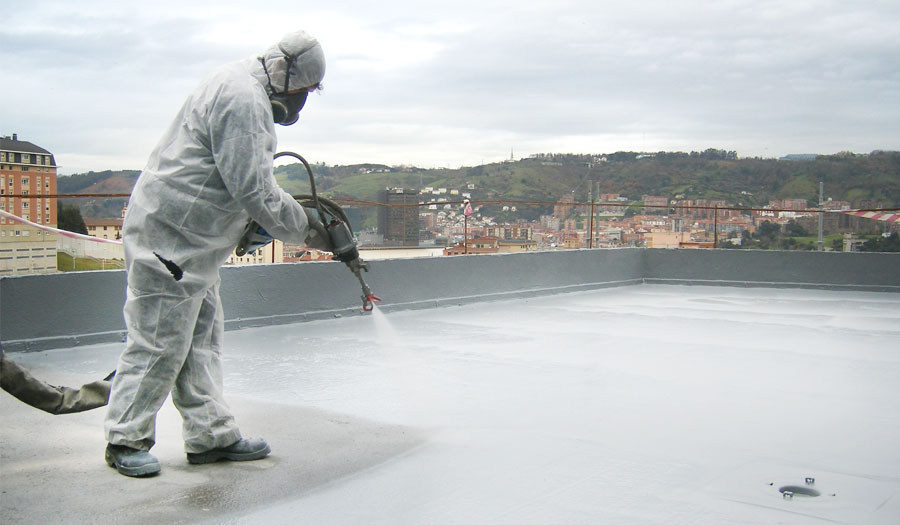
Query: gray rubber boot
{"type": "Point", "coordinates": [131, 462]}
{"type": "Point", "coordinates": [243, 450]}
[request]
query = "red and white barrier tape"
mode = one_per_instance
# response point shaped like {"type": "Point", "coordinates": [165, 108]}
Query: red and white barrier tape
{"type": "Point", "coordinates": [73, 235]}
{"type": "Point", "coordinates": [875, 215]}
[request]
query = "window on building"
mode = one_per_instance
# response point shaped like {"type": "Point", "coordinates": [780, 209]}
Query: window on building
{"type": "Point", "coordinates": [2, 156]}
{"type": "Point", "coordinates": [25, 182]}
{"type": "Point", "coordinates": [47, 184]}
{"type": "Point", "coordinates": [24, 205]}
{"type": "Point", "coordinates": [24, 168]}
{"type": "Point", "coordinates": [47, 218]}
{"type": "Point", "coordinates": [26, 158]}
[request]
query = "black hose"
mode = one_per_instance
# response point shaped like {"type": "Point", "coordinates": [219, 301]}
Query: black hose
{"type": "Point", "coordinates": [327, 207]}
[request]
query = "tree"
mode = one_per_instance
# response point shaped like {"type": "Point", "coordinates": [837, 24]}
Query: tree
{"type": "Point", "coordinates": [794, 229]}
{"type": "Point", "coordinates": [768, 234]}
{"type": "Point", "coordinates": [68, 217]}
{"type": "Point", "coordinates": [882, 244]}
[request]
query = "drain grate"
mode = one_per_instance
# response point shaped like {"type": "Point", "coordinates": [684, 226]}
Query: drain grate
{"type": "Point", "coordinates": [803, 491]}
{"type": "Point", "coordinates": [790, 491]}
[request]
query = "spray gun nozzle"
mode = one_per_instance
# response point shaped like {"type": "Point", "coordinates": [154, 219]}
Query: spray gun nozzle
{"type": "Point", "coordinates": [369, 302]}
{"type": "Point", "coordinates": [357, 266]}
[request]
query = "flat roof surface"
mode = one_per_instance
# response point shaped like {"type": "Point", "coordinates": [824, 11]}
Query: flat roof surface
{"type": "Point", "coordinates": [639, 404]}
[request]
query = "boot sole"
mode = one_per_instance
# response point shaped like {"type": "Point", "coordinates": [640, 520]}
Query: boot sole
{"type": "Point", "coordinates": [134, 472]}
{"type": "Point", "coordinates": [213, 456]}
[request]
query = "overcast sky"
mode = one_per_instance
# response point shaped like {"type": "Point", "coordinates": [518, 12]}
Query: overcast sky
{"type": "Point", "coordinates": [468, 82]}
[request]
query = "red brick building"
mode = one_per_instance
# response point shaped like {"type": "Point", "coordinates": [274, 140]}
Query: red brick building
{"type": "Point", "coordinates": [27, 180]}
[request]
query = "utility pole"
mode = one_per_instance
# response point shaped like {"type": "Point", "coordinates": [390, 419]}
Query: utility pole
{"type": "Point", "coordinates": [466, 214]}
{"type": "Point", "coordinates": [716, 228]}
{"type": "Point", "coordinates": [591, 228]}
{"type": "Point", "coordinates": [821, 244]}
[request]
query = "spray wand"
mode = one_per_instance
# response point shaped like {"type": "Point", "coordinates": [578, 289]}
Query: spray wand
{"type": "Point", "coordinates": [337, 226]}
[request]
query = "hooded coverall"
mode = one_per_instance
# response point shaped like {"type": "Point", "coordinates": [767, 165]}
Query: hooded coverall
{"type": "Point", "coordinates": [211, 172]}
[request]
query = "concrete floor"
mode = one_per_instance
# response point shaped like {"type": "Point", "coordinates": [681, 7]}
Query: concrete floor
{"type": "Point", "coordinates": [641, 404]}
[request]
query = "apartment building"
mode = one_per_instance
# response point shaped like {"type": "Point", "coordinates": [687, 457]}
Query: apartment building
{"type": "Point", "coordinates": [654, 204]}
{"type": "Point", "coordinates": [509, 231]}
{"type": "Point", "coordinates": [398, 219]}
{"type": "Point", "coordinates": [27, 182]}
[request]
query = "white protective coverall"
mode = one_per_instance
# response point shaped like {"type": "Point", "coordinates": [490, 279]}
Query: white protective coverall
{"type": "Point", "coordinates": [209, 174]}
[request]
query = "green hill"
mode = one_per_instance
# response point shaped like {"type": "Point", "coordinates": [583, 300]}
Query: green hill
{"type": "Point", "coordinates": [711, 174]}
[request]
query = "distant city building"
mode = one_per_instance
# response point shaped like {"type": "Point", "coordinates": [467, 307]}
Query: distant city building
{"type": "Point", "coordinates": [799, 156]}
{"type": "Point", "coordinates": [572, 243]}
{"type": "Point", "coordinates": [398, 219]}
{"type": "Point", "coordinates": [272, 253]}
{"type": "Point", "coordinates": [608, 198]}
{"type": "Point", "coordinates": [666, 239]}
{"type": "Point", "coordinates": [106, 228]}
{"type": "Point", "coordinates": [550, 222]}
{"type": "Point", "coordinates": [27, 179]}
{"type": "Point", "coordinates": [516, 246]}
{"type": "Point", "coordinates": [509, 231]}
{"type": "Point", "coordinates": [703, 209]}
{"type": "Point", "coordinates": [301, 253]}
{"type": "Point", "coordinates": [836, 205]}
{"type": "Point", "coordinates": [868, 204]}
{"type": "Point", "coordinates": [789, 204]}
{"type": "Point", "coordinates": [654, 204]}
{"type": "Point", "coordinates": [565, 207]}
{"type": "Point", "coordinates": [479, 245]}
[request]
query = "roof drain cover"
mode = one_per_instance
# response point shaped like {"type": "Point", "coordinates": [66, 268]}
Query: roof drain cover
{"type": "Point", "coordinates": [804, 491]}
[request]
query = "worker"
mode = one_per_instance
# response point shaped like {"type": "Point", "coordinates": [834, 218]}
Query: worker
{"type": "Point", "coordinates": [209, 176]}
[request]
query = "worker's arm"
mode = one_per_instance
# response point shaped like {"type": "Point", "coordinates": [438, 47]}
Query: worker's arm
{"type": "Point", "coordinates": [243, 142]}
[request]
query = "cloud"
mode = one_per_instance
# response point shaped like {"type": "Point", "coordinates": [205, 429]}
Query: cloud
{"type": "Point", "coordinates": [458, 83]}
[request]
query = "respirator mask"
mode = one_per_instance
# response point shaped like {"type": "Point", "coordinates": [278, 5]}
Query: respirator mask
{"type": "Point", "coordinates": [285, 106]}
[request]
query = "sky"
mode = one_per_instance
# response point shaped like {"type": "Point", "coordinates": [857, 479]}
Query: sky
{"type": "Point", "coordinates": [451, 84]}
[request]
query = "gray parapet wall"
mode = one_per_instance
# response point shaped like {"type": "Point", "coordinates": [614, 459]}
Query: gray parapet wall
{"type": "Point", "coordinates": [828, 270]}
{"type": "Point", "coordinates": [39, 312]}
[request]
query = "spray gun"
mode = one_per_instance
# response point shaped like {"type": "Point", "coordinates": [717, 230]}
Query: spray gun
{"type": "Point", "coordinates": [338, 229]}
{"type": "Point", "coordinates": [345, 251]}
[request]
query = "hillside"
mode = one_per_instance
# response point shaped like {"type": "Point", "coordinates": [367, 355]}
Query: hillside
{"type": "Point", "coordinates": [712, 174]}
{"type": "Point", "coordinates": [98, 182]}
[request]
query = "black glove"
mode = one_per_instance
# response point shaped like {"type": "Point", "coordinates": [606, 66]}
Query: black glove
{"type": "Point", "coordinates": [317, 237]}
{"type": "Point", "coordinates": [254, 238]}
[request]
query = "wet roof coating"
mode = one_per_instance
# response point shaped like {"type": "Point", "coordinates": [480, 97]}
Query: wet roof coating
{"type": "Point", "coordinates": [639, 404]}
